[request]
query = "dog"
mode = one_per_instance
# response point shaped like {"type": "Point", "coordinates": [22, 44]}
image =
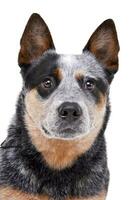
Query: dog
{"type": "Point", "coordinates": [55, 148]}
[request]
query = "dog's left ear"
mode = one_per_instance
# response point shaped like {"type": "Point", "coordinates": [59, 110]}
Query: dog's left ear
{"type": "Point", "coordinates": [104, 45]}
{"type": "Point", "coordinates": [35, 40]}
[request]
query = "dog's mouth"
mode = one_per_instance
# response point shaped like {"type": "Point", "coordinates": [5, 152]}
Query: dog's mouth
{"type": "Point", "coordinates": [67, 133]}
{"type": "Point", "coordinates": [46, 131]}
{"type": "Point", "coordinates": [64, 133]}
{"type": "Point", "coordinates": [67, 130]}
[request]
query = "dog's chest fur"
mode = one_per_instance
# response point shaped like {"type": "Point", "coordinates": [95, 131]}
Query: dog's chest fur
{"type": "Point", "coordinates": [24, 169]}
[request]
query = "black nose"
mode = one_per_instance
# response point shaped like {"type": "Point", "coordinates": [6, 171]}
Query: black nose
{"type": "Point", "coordinates": [69, 111]}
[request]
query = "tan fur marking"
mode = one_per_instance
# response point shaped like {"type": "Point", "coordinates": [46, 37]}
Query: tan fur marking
{"type": "Point", "coordinates": [79, 73]}
{"type": "Point", "coordinates": [56, 152]}
{"type": "Point", "coordinates": [102, 101]}
{"type": "Point", "coordinates": [59, 153]}
{"type": "Point", "coordinates": [8, 193]}
{"type": "Point", "coordinates": [58, 73]}
{"type": "Point", "coordinates": [101, 196]}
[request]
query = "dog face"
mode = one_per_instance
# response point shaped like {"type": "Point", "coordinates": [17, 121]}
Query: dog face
{"type": "Point", "coordinates": [66, 96]}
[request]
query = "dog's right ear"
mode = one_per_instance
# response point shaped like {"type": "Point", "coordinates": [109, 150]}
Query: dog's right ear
{"type": "Point", "coordinates": [35, 40]}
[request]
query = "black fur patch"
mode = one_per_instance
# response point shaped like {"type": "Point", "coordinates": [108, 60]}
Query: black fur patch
{"type": "Point", "coordinates": [40, 69]}
{"type": "Point", "coordinates": [99, 87]}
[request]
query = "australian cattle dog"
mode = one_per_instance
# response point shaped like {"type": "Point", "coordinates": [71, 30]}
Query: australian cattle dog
{"type": "Point", "coordinates": [55, 148]}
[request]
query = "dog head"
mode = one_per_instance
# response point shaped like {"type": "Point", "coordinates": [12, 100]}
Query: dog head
{"type": "Point", "coordinates": [66, 96]}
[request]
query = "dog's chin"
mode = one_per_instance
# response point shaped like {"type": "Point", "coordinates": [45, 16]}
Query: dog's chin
{"type": "Point", "coordinates": [65, 134]}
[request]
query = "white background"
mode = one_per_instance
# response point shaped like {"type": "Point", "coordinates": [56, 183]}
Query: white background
{"type": "Point", "coordinates": [71, 23]}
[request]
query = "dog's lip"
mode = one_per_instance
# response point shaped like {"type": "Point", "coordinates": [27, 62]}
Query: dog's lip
{"type": "Point", "coordinates": [65, 130]}
{"type": "Point", "coordinates": [66, 134]}
{"type": "Point", "coordinates": [45, 130]}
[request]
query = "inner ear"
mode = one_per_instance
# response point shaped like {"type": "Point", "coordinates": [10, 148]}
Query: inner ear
{"type": "Point", "coordinates": [35, 40]}
{"type": "Point", "coordinates": [104, 45]}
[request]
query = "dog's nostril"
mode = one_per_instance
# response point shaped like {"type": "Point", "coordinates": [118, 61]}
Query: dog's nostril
{"type": "Point", "coordinates": [76, 113]}
{"type": "Point", "coordinates": [64, 113]}
{"type": "Point", "coordinates": [69, 111]}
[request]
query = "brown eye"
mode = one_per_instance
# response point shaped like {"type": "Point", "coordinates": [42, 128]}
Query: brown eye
{"type": "Point", "coordinates": [47, 83]}
{"type": "Point", "coordinates": [89, 84]}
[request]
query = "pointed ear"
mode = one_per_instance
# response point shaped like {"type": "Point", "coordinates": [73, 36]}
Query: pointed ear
{"type": "Point", "coordinates": [35, 40]}
{"type": "Point", "coordinates": [104, 45]}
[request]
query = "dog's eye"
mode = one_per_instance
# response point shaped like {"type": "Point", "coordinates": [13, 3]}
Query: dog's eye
{"type": "Point", "coordinates": [47, 83]}
{"type": "Point", "coordinates": [89, 84]}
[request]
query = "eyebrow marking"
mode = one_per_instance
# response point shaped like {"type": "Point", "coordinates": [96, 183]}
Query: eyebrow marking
{"type": "Point", "coordinates": [58, 73]}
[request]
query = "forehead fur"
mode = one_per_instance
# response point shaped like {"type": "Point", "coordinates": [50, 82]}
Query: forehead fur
{"type": "Point", "coordinates": [85, 62]}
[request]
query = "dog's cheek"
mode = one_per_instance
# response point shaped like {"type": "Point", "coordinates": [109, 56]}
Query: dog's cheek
{"type": "Point", "coordinates": [98, 113]}
{"type": "Point", "coordinates": [34, 106]}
